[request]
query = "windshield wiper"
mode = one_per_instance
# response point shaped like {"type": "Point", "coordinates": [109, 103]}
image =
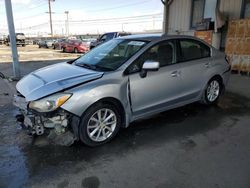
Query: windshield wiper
{"type": "Point", "coordinates": [94, 67]}
{"type": "Point", "coordinates": [85, 65]}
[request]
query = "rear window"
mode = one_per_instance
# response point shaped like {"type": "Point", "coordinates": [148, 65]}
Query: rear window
{"type": "Point", "coordinates": [192, 49]}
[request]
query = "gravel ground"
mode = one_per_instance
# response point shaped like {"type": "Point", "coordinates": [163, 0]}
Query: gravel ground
{"type": "Point", "coordinates": [33, 53]}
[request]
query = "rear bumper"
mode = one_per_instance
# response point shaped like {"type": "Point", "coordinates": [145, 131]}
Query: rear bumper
{"type": "Point", "coordinates": [20, 42]}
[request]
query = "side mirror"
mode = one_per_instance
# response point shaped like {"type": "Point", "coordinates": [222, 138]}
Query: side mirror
{"type": "Point", "coordinates": [149, 66]}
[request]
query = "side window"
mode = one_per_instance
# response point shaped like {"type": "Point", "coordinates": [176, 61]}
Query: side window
{"type": "Point", "coordinates": [103, 38]}
{"type": "Point", "coordinates": [110, 36]}
{"type": "Point", "coordinates": [191, 49]}
{"type": "Point", "coordinates": [164, 53]}
{"type": "Point", "coordinates": [245, 10]}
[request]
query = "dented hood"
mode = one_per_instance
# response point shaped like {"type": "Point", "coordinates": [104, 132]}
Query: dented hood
{"type": "Point", "coordinates": [54, 78]}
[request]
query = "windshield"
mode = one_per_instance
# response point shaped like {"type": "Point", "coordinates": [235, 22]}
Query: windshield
{"type": "Point", "coordinates": [110, 55]}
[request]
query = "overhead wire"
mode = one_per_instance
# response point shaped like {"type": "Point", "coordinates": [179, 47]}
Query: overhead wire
{"type": "Point", "coordinates": [118, 7]}
{"type": "Point", "coordinates": [139, 18]}
{"type": "Point", "coordinates": [129, 19]}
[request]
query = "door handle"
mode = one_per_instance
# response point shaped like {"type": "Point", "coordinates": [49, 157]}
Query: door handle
{"type": "Point", "coordinates": [175, 73]}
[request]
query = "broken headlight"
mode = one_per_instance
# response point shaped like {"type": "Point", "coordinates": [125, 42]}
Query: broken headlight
{"type": "Point", "coordinates": [50, 103]}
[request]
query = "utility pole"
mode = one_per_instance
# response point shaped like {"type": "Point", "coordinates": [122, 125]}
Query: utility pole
{"type": "Point", "coordinates": [12, 36]}
{"type": "Point", "coordinates": [166, 4]}
{"type": "Point", "coordinates": [50, 18]}
{"type": "Point", "coordinates": [67, 23]}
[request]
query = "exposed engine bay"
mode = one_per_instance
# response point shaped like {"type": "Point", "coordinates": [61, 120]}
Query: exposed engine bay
{"type": "Point", "coordinates": [55, 126]}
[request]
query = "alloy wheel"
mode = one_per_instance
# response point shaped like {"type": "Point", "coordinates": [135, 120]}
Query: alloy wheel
{"type": "Point", "coordinates": [101, 125]}
{"type": "Point", "coordinates": [213, 91]}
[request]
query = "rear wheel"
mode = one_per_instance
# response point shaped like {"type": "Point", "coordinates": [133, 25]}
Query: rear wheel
{"type": "Point", "coordinates": [213, 91]}
{"type": "Point", "coordinates": [63, 49]}
{"type": "Point", "coordinates": [99, 124]}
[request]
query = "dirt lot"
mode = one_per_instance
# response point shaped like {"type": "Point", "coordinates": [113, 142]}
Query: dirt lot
{"type": "Point", "coordinates": [33, 53]}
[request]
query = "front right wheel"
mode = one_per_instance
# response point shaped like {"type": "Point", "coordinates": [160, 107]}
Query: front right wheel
{"type": "Point", "coordinates": [99, 124]}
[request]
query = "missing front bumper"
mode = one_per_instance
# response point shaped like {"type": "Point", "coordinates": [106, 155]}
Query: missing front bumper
{"type": "Point", "coordinates": [56, 125]}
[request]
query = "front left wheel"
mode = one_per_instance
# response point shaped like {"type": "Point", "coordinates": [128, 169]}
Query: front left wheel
{"type": "Point", "coordinates": [99, 124]}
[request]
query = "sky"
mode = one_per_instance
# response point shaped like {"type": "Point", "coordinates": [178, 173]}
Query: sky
{"type": "Point", "coordinates": [85, 16]}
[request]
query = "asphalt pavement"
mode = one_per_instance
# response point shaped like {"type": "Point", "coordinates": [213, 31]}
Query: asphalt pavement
{"type": "Point", "coordinates": [189, 147]}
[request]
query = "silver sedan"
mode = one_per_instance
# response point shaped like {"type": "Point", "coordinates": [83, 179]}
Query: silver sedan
{"type": "Point", "coordinates": [120, 81]}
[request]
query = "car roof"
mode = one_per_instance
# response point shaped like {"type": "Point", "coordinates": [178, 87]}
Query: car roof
{"type": "Point", "coordinates": [153, 37]}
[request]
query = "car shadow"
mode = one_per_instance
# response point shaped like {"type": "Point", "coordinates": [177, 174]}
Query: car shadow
{"type": "Point", "coordinates": [172, 125]}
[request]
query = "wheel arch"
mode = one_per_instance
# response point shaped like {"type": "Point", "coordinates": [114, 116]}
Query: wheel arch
{"type": "Point", "coordinates": [217, 77]}
{"type": "Point", "coordinates": [112, 101]}
{"type": "Point", "coordinates": [220, 79]}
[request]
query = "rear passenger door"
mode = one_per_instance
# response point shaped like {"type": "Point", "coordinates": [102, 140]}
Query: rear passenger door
{"type": "Point", "coordinates": [194, 58]}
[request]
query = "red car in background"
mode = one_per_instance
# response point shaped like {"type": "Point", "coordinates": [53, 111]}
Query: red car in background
{"type": "Point", "coordinates": [76, 46]}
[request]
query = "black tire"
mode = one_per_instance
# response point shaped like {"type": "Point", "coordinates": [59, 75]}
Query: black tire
{"type": "Point", "coordinates": [63, 49]}
{"type": "Point", "coordinates": [206, 99]}
{"type": "Point", "coordinates": [23, 45]}
{"type": "Point", "coordinates": [84, 137]}
{"type": "Point", "coordinates": [75, 50]}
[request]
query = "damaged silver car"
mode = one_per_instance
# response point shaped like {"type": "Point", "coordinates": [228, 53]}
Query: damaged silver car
{"type": "Point", "coordinates": [120, 81]}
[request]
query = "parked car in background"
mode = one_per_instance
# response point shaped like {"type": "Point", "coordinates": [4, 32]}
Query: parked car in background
{"type": "Point", "coordinates": [20, 39]}
{"type": "Point", "coordinates": [88, 41]}
{"type": "Point", "coordinates": [106, 37]}
{"type": "Point", "coordinates": [63, 43]}
{"type": "Point", "coordinates": [36, 41]}
{"type": "Point", "coordinates": [29, 42]}
{"type": "Point", "coordinates": [76, 46]}
{"type": "Point", "coordinates": [45, 44]}
{"type": "Point", "coordinates": [120, 81]}
{"type": "Point", "coordinates": [59, 43]}
{"type": "Point", "coordinates": [2, 37]}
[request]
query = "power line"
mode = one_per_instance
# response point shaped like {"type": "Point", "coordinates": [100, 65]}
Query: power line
{"type": "Point", "coordinates": [127, 22]}
{"type": "Point", "coordinates": [114, 21]}
{"type": "Point", "coordinates": [140, 18]}
{"type": "Point", "coordinates": [24, 9]}
{"type": "Point", "coordinates": [115, 18]}
{"type": "Point", "coordinates": [96, 23]}
{"type": "Point", "coordinates": [32, 16]}
{"type": "Point", "coordinates": [29, 17]}
{"type": "Point", "coordinates": [121, 6]}
{"type": "Point", "coordinates": [38, 6]}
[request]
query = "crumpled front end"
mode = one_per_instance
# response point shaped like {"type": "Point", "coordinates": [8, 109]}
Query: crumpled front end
{"type": "Point", "coordinates": [60, 126]}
